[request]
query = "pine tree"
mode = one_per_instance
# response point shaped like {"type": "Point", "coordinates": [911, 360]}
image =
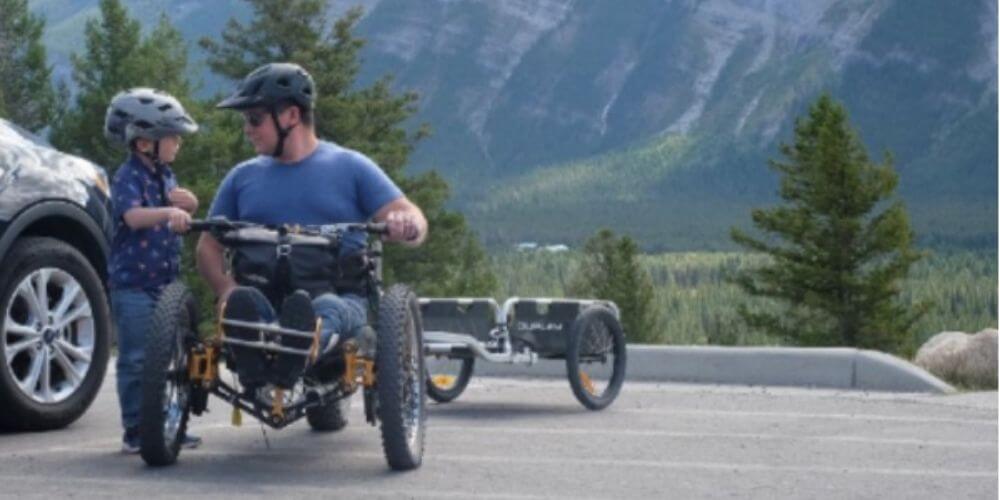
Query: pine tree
{"type": "Point", "coordinates": [370, 120]}
{"type": "Point", "coordinates": [611, 270]}
{"type": "Point", "coordinates": [118, 58]}
{"type": "Point", "coordinates": [103, 70]}
{"type": "Point", "coordinates": [28, 97]}
{"type": "Point", "coordinates": [839, 245]}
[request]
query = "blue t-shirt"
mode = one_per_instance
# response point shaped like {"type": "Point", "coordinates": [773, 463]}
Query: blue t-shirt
{"type": "Point", "coordinates": [331, 185]}
{"type": "Point", "coordinates": [142, 258]}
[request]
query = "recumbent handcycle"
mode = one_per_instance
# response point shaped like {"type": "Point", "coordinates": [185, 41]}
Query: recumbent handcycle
{"type": "Point", "coordinates": [279, 374]}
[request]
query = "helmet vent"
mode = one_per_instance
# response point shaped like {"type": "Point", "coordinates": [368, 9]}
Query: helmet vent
{"type": "Point", "coordinates": [254, 88]}
{"type": "Point", "coordinates": [145, 100]}
{"type": "Point", "coordinates": [143, 124]}
{"type": "Point", "coordinates": [164, 107]}
{"type": "Point", "coordinates": [283, 82]}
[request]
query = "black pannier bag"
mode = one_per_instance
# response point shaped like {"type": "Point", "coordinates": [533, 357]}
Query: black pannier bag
{"type": "Point", "coordinates": [280, 264]}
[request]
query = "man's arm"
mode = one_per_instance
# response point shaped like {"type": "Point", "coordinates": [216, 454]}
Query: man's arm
{"type": "Point", "coordinates": [212, 266]}
{"type": "Point", "coordinates": [405, 220]}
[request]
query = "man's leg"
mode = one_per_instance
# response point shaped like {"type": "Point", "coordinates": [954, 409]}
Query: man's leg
{"type": "Point", "coordinates": [342, 317]}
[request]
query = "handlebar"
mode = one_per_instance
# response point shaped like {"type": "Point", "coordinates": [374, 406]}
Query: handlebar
{"type": "Point", "coordinates": [222, 224]}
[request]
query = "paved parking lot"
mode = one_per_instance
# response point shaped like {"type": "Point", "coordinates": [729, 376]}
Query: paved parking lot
{"type": "Point", "coordinates": [513, 438]}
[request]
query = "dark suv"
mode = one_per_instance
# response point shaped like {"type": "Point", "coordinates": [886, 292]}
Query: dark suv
{"type": "Point", "coordinates": [55, 331]}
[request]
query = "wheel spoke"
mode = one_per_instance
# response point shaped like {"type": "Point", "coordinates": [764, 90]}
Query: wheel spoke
{"type": "Point", "coordinates": [80, 354]}
{"type": "Point", "coordinates": [15, 349]}
{"type": "Point", "coordinates": [70, 293]}
{"type": "Point", "coordinates": [25, 291]}
{"type": "Point", "coordinates": [41, 285]}
{"type": "Point", "coordinates": [46, 375]}
{"type": "Point", "coordinates": [16, 328]}
{"type": "Point", "coordinates": [71, 372]}
{"type": "Point", "coordinates": [80, 312]}
{"type": "Point", "coordinates": [34, 373]}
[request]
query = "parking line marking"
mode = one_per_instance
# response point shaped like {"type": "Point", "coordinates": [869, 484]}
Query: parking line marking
{"type": "Point", "coordinates": [615, 463]}
{"type": "Point", "coordinates": [825, 416]}
{"type": "Point", "coordinates": [709, 435]}
{"type": "Point", "coordinates": [324, 491]}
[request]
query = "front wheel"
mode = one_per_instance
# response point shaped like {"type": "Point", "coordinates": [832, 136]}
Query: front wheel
{"type": "Point", "coordinates": [399, 378]}
{"type": "Point", "coordinates": [166, 387]}
{"type": "Point", "coordinates": [595, 357]}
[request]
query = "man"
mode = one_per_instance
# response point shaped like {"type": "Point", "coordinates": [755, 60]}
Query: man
{"type": "Point", "coordinates": [299, 179]}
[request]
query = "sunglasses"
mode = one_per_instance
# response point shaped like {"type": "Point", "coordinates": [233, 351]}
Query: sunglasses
{"type": "Point", "coordinates": [254, 119]}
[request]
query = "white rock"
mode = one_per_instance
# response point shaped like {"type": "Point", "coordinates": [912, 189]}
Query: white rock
{"type": "Point", "coordinates": [968, 360]}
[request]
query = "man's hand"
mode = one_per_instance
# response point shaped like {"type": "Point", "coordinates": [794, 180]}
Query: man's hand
{"type": "Point", "coordinates": [404, 221]}
{"type": "Point", "coordinates": [183, 199]}
{"type": "Point", "coordinates": [178, 220]}
{"type": "Point", "coordinates": [402, 226]}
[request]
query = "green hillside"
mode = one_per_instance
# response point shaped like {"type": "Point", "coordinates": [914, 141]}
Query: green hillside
{"type": "Point", "coordinates": [551, 118]}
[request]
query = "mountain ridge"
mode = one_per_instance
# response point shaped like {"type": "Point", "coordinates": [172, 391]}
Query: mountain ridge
{"type": "Point", "coordinates": [539, 107]}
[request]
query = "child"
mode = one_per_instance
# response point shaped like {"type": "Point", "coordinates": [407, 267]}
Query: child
{"type": "Point", "coordinates": [149, 208]}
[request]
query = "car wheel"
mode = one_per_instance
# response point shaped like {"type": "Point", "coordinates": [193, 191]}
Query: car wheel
{"type": "Point", "coordinates": [54, 335]}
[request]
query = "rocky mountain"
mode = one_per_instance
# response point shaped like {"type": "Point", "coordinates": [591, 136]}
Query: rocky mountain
{"type": "Point", "coordinates": [657, 116]}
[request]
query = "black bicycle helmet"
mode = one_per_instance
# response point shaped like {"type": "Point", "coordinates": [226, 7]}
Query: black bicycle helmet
{"type": "Point", "coordinates": [271, 85]}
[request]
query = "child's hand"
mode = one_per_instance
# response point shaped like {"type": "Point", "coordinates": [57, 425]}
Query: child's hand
{"type": "Point", "coordinates": [183, 199]}
{"type": "Point", "coordinates": [178, 220]}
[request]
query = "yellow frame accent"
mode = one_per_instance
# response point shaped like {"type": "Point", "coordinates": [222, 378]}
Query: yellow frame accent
{"type": "Point", "coordinates": [278, 403]}
{"type": "Point", "coordinates": [357, 370]}
{"type": "Point", "coordinates": [587, 383]}
{"type": "Point", "coordinates": [203, 367]}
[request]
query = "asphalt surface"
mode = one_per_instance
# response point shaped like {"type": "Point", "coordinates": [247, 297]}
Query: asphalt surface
{"type": "Point", "coordinates": [513, 438]}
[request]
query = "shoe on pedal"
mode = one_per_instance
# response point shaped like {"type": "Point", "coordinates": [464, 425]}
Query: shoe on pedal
{"type": "Point", "coordinates": [242, 305]}
{"type": "Point", "coordinates": [296, 314]}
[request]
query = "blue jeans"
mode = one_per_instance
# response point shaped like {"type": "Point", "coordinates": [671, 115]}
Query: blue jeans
{"type": "Point", "coordinates": [133, 312]}
{"type": "Point", "coordinates": [342, 314]}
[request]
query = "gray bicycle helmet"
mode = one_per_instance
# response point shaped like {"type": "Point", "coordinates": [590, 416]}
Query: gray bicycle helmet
{"type": "Point", "coordinates": [271, 85]}
{"type": "Point", "coordinates": [148, 113]}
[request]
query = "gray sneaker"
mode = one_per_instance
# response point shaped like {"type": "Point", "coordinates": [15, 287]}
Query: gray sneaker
{"type": "Point", "coordinates": [130, 441]}
{"type": "Point", "coordinates": [190, 441]}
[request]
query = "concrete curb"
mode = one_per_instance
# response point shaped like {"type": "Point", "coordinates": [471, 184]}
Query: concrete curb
{"type": "Point", "coordinates": [836, 368]}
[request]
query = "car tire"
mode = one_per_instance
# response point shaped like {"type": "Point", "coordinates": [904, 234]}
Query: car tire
{"type": "Point", "coordinates": [54, 351]}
